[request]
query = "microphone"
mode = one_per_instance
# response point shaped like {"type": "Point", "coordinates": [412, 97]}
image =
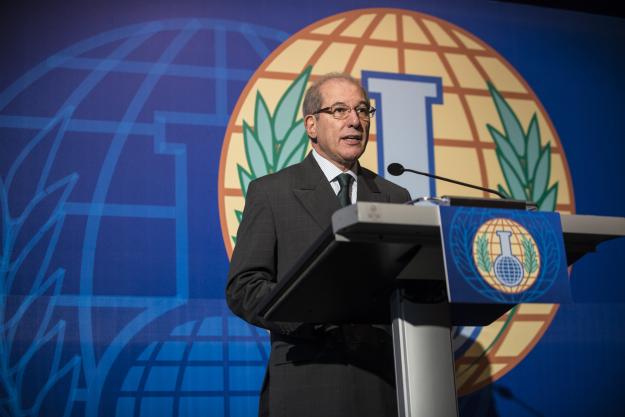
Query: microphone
{"type": "Point", "coordinates": [395, 169]}
{"type": "Point", "coordinates": [398, 169]}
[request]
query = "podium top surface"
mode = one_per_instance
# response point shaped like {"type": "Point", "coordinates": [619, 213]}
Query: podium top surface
{"type": "Point", "coordinates": [391, 241]}
{"type": "Point", "coordinates": [365, 217]}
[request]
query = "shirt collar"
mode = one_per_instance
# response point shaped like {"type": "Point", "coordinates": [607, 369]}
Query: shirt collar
{"type": "Point", "coordinates": [330, 170]}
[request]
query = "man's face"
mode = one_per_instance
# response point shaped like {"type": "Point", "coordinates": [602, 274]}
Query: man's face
{"type": "Point", "coordinates": [340, 141]}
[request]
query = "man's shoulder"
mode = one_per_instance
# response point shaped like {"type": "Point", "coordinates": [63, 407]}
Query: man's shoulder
{"type": "Point", "coordinates": [381, 182]}
{"type": "Point", "coordinates": [279, 178]}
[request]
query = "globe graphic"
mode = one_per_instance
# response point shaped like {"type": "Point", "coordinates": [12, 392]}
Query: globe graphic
{"type": "Point", "coordinates": [508, 270]}
{"type": "Point", "coordinates": [405, 42]}
{"type": "Point", "coordinates": [507, 275]}
{"type": "Point", "coordinates": [117, 112]}
{"type": "Point", "coordinates": [212, 366]}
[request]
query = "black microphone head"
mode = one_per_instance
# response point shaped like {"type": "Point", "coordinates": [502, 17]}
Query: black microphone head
{"type": "Point", "coordinates": [395, 168]}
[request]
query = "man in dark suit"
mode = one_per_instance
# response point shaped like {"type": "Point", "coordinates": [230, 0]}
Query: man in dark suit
{"type": "Point", "coordinates": [315, 370]}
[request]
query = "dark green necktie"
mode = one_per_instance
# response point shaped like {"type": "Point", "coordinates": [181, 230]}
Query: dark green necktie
{"type": "Point", "coordinates": [343, 195]}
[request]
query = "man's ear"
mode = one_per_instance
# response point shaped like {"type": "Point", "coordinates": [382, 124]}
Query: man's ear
{"type": "Point", "coordinates": [310, 123]}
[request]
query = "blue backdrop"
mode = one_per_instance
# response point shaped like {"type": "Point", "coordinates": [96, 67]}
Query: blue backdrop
{"type": "Point", "coordinates": [112, 119]}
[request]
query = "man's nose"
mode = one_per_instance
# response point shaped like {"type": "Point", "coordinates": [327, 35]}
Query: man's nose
{"type": "Point", "coordinates": [353, 118]}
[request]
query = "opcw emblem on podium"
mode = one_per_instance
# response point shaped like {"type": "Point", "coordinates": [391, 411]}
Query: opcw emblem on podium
{"type": "Point", "coordinates": [506, 255]}
{"type": "Point", "coordinates": [503, 256]}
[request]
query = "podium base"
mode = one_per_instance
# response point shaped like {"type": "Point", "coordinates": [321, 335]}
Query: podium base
{"type": "Point", "coordinates": [424, 362]}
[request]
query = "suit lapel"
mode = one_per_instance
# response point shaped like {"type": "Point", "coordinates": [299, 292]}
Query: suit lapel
{"type": "Point", "coordinates": [368, 189]}
{"type": "Point", "coordinates": [314, 192]}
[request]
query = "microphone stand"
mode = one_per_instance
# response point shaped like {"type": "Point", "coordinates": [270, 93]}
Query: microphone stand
{"type": "Point", "coordinates": [398, 169]}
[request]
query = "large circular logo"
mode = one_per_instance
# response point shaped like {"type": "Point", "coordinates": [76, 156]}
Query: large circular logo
{"type": "Point", "coordinates": [487, 127]}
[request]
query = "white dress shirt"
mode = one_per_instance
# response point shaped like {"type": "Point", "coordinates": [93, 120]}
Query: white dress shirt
{"type": "Point", "coordinates": [331, 171]}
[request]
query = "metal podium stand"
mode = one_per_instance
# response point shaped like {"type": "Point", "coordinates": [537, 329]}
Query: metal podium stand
{"type": "Point", "coordinates": [398, 277]}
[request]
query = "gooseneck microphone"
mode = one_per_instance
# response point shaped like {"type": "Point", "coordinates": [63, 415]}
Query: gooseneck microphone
{"type": "Point", "coordinates": [398, 169]}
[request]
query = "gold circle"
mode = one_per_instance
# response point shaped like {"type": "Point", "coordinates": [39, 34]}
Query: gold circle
{"type": "Point", "coordinates": [407, 42]}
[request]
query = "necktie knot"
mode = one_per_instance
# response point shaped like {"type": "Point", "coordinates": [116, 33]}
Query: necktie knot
{"type": "Point", "coordinates": [344, 181]}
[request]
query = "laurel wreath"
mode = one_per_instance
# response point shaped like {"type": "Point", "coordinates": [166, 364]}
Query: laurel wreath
{"type": "Point", "coordinates": [530, 258]}
{"type": "Point", "coordinates": [279, 140]}
{"type": "Point", "coordinates": [276, 141]}
{"type": "Point", "coordinates": [526, 165]}
{"type": "Point", "coordinates": [483, 258]}
{"type": "Point", "coordinates": [32, 372]}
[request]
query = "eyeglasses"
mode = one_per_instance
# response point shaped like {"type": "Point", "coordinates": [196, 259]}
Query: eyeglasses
{"type": "Point", "coordinates": [341, 111]}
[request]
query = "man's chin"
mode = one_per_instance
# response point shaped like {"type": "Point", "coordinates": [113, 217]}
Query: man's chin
{"type": "Point", "coordinates": [353, 155]}
{"type": "Point", "coordinates": [350, 159]}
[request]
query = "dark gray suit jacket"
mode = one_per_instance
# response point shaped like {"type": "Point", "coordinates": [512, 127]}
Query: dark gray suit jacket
{"type": "Point", "coordinates": [313, 370]}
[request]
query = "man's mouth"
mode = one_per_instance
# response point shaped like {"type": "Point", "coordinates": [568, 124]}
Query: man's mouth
{"type": "Point", "coordinates": [352, 138]}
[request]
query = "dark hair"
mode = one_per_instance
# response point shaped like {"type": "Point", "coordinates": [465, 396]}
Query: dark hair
{"type": "Point", "coordinates": [312, 99]}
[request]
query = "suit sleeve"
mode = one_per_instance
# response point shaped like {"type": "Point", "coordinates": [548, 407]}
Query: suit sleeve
{"type": "Point", "coordinates": [253, 265]}
{"type": "Point", "coordinates": [252, 272]}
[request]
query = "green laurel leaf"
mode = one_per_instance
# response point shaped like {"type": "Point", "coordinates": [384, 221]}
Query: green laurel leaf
{"type": "Point", "coordinates": [517, 190]}
{"type": "Point", "coordinates": [541, 175]}
{"type": "Point", "coordinates": [530, 259]}
{"type": "Point", "coordinates": [483, 260]}
{"type": "Point", "coordinates": [263, 128]}
{"type": "Point", "coordinates": [244, 179]}
{"type": "Point", "coordinates": [525, 165]}
{"type": "Point", "coordinates": [300, 152]}
{"type": "Point", "coordinates": [532, 149]}
{"type": "Point", "coordinates": [503, 191]}
{"type": "Point", "coordinates": [548, 201]}
{"type": "Point", "coordinates": [254, 151]}
{"type": "Point", "coordinates": [290, 149]}
{"type": "Point", "coordinates": [288, 106]}
{"type": "Point", "coordinates": [506, 150]}
{"type": "Point", "coordinates": [509, 120]}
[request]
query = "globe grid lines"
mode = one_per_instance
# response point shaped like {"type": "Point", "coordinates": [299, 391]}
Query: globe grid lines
{"type": "Point", "coordinates": [511, 271]}
{"type": "Point", "coordinates": [251, 32]}
{"type": "Point", "coordinates": [130, 126]}
{"type": "Point", "coordinates": [101, 190]}
{"type": "Point", "coordinates": [150, 359]}
{"type": "Point", "coordinates": [64, 60]}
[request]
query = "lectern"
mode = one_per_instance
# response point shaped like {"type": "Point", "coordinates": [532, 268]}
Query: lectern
{"type": "Point", "coordinates": [397, 276]}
